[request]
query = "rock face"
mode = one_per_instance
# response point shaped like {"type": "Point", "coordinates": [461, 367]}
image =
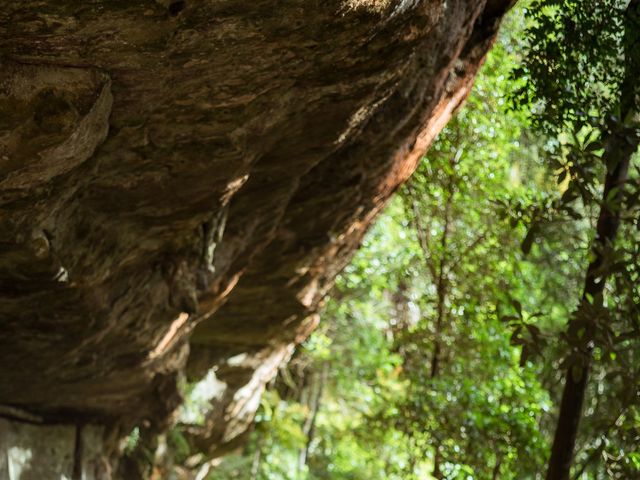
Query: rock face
{"type": "Point", "coordinates": [181, 180]}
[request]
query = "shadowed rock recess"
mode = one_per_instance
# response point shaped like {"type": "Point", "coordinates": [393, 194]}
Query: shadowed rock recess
{"type": "Point", "coordinates": [180, 182]}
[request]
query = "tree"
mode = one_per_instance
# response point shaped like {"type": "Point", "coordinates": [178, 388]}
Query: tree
{"type": "Point", "coordinates": [582, 73]}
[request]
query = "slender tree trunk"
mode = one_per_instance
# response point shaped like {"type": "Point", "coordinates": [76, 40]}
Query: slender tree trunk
{"type": "Point", "coordinates": [310, 424]}
{"type": "Point", "coordinates": [437, 474]}
{"type": "Point", "coordinates": [413, 460]}
{"type": "Point", "coordinates": [435, 362]}
{"type": "Point", "coordinates": [257, 458]}
{"type": "Point", "coordinates": [620, 145]}
{"type": "Point", "coordinates": [438, 272]}
{"type": "Point", "coordinates": [496, 469]}
{"type": "Point", "coordinates": [441, 313]}
{"type": "Point", "coordinates": [440, 320]}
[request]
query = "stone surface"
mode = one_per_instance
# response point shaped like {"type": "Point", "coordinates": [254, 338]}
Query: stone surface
{"type": "Point", "coordinates": [51, 452]}
{"type": "Point", "coordinates": [190, 176]}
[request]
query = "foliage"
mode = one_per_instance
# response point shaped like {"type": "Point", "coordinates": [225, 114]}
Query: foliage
{"type": "Point", "coordinates": [582, 67]}
{"type": "Point", "coordinates": [571, 71]}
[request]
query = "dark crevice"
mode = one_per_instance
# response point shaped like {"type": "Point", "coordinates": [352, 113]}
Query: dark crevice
{"type": "Point", "coordinates": [176, 7]}
{"type": "Point", "coordinates": [77, 455]}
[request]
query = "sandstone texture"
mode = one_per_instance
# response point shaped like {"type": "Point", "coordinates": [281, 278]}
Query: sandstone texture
{"type": "Point", "coordinates": [181, 181]}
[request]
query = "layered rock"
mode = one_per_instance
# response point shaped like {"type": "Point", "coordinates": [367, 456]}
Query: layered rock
{"type": "Point", "coordinates": [180, 182]}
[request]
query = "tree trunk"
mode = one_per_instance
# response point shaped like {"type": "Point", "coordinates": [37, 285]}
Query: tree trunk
{"type": "Point", "coordinates": [310, 424]}
{"type": "Point", "coordinates": [436, 473]}
{"type": "Point", "coordinates": [496, 469]}
{"type": "Point", "coordinates": [257, 457]}
{"type": "Point", "coordinates": [441, 306]}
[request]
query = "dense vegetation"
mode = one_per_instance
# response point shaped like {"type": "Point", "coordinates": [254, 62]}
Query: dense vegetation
{"type": "Point", "coordinates": [490, 324]}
